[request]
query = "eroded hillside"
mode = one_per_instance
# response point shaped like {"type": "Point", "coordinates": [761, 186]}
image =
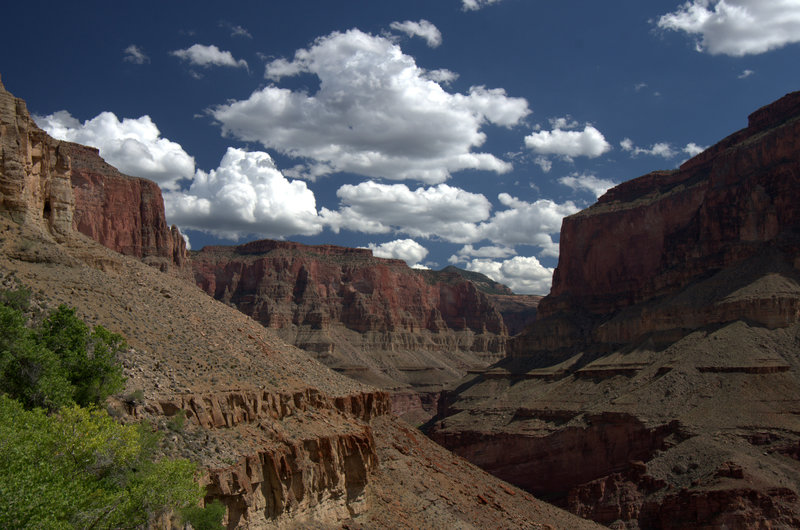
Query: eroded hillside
{"type": "Point", "coordinates": [285, 441]}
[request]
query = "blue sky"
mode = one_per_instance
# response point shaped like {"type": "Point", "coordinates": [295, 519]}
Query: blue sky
{"type": "Point", "coordinates": [439, 132]}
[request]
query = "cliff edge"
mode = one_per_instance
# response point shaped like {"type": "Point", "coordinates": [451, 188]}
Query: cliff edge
{"type": "Point", "coordinates": [659, 386]}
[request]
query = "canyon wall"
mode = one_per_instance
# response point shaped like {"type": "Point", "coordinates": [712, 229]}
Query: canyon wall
{"type": "Point", "coordinates": [281, 440]}
{"type": "Point", "coordinates": [376, 320]}
{"type": "Point", "coordinates": [655, 235]}
{"type": "Point", "coordinates": [62, 186]}
{"type": "Point", "coordinates": [35, 171]}
{"type": "Point", "coordinates": [657, 386]}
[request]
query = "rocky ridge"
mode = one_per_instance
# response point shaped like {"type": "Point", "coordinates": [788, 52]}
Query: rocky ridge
{"type": "Point", "coordinates": [285, 441]}
{"type": "Point", "coordinates": [659, 385]}
{"type": "Point", "coordinates": [373, 319]}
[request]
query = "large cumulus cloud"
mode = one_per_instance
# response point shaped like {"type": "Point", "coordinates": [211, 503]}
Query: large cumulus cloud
{"type": "Point", "coordinates": [376, 113]}
{"type": "Point", "coordinates": [441, 211]}
{"type": "Point", "coordinates": [524, 275]}
{"type": "Point", "coordinates": [570, 144]}
{"type": "Point", "coordinates": [407, 250]}
{"type": "Point", "coordinates": [246, 194]}
{"type": "Point", "coordinates": [134, 146]}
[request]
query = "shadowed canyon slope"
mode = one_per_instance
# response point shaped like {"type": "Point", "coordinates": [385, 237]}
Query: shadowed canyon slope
{"type": "Point", "coordinates": [376, 320]}
{"type": "Point", "coordinates": [284, 441]}
{"type": "Point", "coordinates": [659, 385]}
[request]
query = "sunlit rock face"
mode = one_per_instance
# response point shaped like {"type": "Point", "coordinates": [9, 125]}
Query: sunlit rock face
{"type": "Point", "coordinates": [35, 171]}
{"type": "Point", "coordinates": [62, 187]}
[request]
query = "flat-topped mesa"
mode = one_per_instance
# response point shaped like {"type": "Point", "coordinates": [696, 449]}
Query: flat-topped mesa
{"type": "Point", "coordinates": [63, 187]}
{"type": "Point", "coordinates": [283, 284]}
{"type": "Point", "coordinates": [266, 245]}
{"type": "Point", "coordinates": [376, 320]}
{"type": "Point", "coordinates": [654, 235]}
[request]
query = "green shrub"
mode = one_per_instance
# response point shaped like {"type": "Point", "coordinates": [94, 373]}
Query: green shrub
{"type": "Point", "coordinates": [208, 518]}
{"type": "Point", "coordinates": [19, 298]}
{"type": "Point", "coordinates": [60, 362]}
{"type": "Point", "coordinates": [79, 468]}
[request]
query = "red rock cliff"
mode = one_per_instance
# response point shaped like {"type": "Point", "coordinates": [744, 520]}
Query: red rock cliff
{"type": "Point", "coordinates": [655, 235]}
{"type": "Point", "coordinates": [657, 387]}
{"type": "Point", "coordinates": [124, 213]}
{"type": "Point", "coordinates": [375, 319]}
{"type": "Point", "coordinates": [62, 186]}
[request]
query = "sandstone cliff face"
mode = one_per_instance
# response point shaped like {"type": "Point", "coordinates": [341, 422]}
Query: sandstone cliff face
{"type": "Point", "coordinates": [123, 213]}
{"type": "Point", "coordinates": [35, 171]}
{"type": "Point", "coordinates": [63, 187]}
{"type": "Point", "coordinates": [657, 386]}
{"type": "Point", "coordinates": [374, 319]}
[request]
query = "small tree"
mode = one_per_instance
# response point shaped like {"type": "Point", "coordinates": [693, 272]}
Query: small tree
{"type": "Point", "coordinates": [88, 358]}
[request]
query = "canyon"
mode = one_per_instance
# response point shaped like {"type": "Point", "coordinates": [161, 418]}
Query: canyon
{"type": "Point", "coordinates": [411, 332]}
{"type": "Point", "coordinates": [658, 386]}
{"type": "Point", "coordinates": [283, 441]}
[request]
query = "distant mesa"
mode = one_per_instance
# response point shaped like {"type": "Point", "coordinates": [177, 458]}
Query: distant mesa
{"type": "Point", "coordinates": [408, 331]}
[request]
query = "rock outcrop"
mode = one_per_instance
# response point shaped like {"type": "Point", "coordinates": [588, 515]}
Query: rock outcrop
{"type": "Point", "coordinates": [62, 187]}
{"type": "Point", "coordinates": [283, 441]}
{"type": "Point", "coordinates": [123, 213]}
{"type": "Point", "coordinates": [658, 385]}
{"type": "Point", "coordinates": [35, 171]}
{"type": "Point", "coordinates": [376, 320]}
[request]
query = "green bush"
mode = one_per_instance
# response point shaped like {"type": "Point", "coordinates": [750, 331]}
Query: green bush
{"type": "Point", "coordinates": [60, 362]}
{"type": "Point", "coordinates": [19, 298]}
{"type": "Point", "coordinates": [76, 467]}
{"type": "Point", "coordinates": [79, 468]}
{"type": "Point", "coordinates": [208, 518]}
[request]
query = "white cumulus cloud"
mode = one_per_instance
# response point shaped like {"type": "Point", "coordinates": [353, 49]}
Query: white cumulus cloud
{"type": "Point", "coordinates": [692, 149]}
{"type": "Point", "coordinates": [246, 194]}
{"type": "Point", "coordinates": [440, 211]}
{"type": "Point", "coordinates": [205, 56]}
{"type": "Point", "coordinates": [526, 223]}
{"type": "Point", "coordinates": [376, 113]}
{"type": "Point", "coordinates": [449, 214]}
{"type": "Point", "coordinates": [407, 250]}
{"type": "Point", "coordinates": [737, 27]}
{"type": "Point", "coordinates": [568, 143]}
{"type": "Point", "coordinates": [589, 183]}
{"type": "Point", "coordinates": [134, 146]}
{"type": "Point", "coordinates": [524, 275]}
{"type": "Point", "coordinates": [467, 252]}
{"type": "Point", "coordinates": [662, 149]}
{"type": "Point", "coordinates": [423, 28]}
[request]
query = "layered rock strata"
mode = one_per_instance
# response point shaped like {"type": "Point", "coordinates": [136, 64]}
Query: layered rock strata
{"type": "Point", "coordinates": [284, 442]}
{"type": "Point", "coordinates": [658, 387]}
{"type": "Point", "coordinates": [60, 186]}
{"type": "Point", "coordinates": [373, 319]}
{"type": "Point", "coordinates": [35, 171]}
{"type": "Point", "coordinates": [123, 213]}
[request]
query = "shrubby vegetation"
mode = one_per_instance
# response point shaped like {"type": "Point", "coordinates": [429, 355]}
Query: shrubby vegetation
{"type": "Point", "coordinates": [64, 462]}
